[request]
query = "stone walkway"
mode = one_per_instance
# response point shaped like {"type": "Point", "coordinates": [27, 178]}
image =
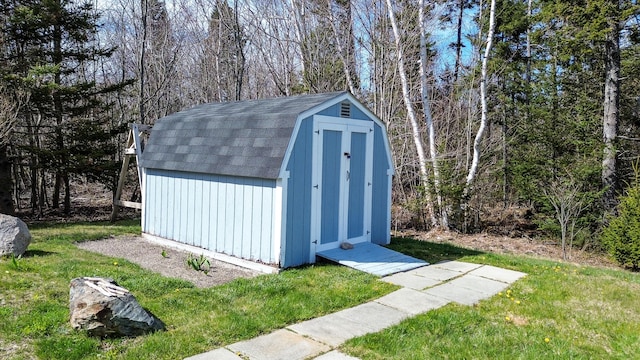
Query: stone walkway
{"type": "Point", "coordinates": [423, 289]}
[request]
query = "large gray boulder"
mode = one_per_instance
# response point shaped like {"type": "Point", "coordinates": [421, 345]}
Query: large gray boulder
{"type": "Point", "coordinates": [102, 308]}
{"type": "Point", "coordinates": [14, 236]}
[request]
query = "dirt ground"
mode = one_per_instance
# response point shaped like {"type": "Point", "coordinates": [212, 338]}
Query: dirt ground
{"type": "Point", "coordinates": [173, 264]}
{"type": "Point", "coordinates": [512, 245]}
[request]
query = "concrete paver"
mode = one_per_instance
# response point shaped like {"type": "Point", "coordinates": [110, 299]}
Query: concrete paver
{"type": "Point", "coordinates": [335, 355]}
{"type": "Point", "coordinates": [373, 316]}
{"type": "Point", "coordinates": [411, 280]}
{"type": "Point", "coordinates": [217, 354]}
{"type": "Point", "coordinates": [412, 301]}
{"type": "Point", "coordinates": [279, 345]}
{"type": "Point", "coordinates": [468, 289]}
{"type": "Point", "coordinates": [435, 273]}
{"type": "Point", "coordinates": [496, 273]}
{"type": "Point", "coordinates": [331, 329]}
{"type": "Point", "coordinates": [458, 266]}
{"type": "Point", "coordinates": [456, 294]}
{"type": "Point", "coordinates": [479, 284]}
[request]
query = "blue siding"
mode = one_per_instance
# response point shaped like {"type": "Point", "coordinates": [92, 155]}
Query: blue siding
{"type": "Point", "coordinates": [220, 213]}
{"type": "Point", "coordinates": [380, 199]}
{"type": "Point", "coordinates": [298, 220]}
{"type": "Point", "coordinates": [333, 110]}
{"type": "Point", "coordinates": [206, 213]}
{"type": "Point", "coordinates": [357, 114]}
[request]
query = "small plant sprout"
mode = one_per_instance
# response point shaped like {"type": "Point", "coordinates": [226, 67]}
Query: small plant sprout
{"type": "Point", "coordinates": [15, 261]}
{"type": "Point", "coordinates": [200, 263]}
{"type": "Point", "coordinates": [164, 253]}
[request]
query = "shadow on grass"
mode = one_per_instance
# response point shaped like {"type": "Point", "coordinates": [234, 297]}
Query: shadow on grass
{"type": "Point", "coordinates": [428, 251]}
{"type": "Point", "coordinates": [34, 253]}
{"type": "Point", "coordinates": [65, 225]}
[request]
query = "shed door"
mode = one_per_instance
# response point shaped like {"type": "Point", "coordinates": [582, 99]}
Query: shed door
{"type": "Point", "coordinates": [342, 172]}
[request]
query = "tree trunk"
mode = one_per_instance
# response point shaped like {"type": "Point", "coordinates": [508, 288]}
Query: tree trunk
{"type": "Point", "coordinates": [343, 52]}
{"type": "Point", "coordinates": [422, 159]}
{"type": "Point", "coordinates": [456, 69]}
{"type": "Point", "coordinates": [611, 115]}
{"type": "Point", "coordinates": [6, 183]}
{"type": "Point", "coordinates": [473, 170]}
{"type": "Point", "coordinates": [63, 157]}
{"type": "Point", "coordinates": [426, 106]}
{"type": "Point", "coordinates": [67, 193]}
{"type": "Point", "coordinates": [240, 57]}
{"type": "Point", "coordinates": [33, 131]}
{"type": "Point", "coordinates": [142, 64]}
{"type": "Point", "coordinates": [55, 201]}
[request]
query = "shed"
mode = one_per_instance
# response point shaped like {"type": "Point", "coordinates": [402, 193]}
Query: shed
{"type": "Point", "coordinates": [270, 181]}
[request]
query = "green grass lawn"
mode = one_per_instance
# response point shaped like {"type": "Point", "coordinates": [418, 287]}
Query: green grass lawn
{"type": "Point", "coordinates": [583, 312]}
{"type": "Point", "coordinates": [558, 311]}
{"type": "Point", "coordinates": [34, 300]}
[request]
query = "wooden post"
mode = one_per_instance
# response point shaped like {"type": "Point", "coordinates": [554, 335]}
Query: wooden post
{"type": "Point", "coordinates": [133, 148]}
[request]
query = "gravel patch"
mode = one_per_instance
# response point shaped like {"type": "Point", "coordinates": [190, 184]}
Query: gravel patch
{"type": "Point", "coordinates": [173, 264]}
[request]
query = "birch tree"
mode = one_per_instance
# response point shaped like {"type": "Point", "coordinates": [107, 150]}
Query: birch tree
{"type": "Point", "coordinates": [413, 119]}
{"type": "Point", "coordinates": [426, 107]}
{"type": "Point", "coordinates": [473, 170]}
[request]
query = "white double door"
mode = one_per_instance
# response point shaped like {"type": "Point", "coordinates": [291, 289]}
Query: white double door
{"type": "Point", "coordinates": [341, 175]}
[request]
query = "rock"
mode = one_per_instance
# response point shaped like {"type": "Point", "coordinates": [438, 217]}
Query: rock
{"type": "Point", "coordinates": [346, 245]}
{"type": "Point", "coordinates": [14, 236]}
{"type": "Point", "coordinates": [102, 308]}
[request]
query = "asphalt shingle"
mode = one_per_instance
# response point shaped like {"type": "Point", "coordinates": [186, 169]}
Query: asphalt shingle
{"type": "Point", "coordinates": [244, 138]}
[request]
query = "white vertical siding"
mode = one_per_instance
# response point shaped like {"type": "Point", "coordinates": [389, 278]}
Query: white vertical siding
{"type": "Point", "coordinates": [220, 213]}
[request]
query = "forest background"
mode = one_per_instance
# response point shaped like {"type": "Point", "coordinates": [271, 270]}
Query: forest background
{"type": "Point", "coordinates": [497, 110]}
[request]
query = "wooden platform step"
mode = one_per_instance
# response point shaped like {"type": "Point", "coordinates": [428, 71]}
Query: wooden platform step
{"type": "Point", "coordinates": [373, 259]}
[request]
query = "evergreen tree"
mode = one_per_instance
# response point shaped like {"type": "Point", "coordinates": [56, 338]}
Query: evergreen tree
{"type": "Point", "coordinates": [621, 236]}
{"type": "Point", "coordinates": [550, 118]}
{"type": "Point", "coordinates": [50, 52]}
{"type": "Point", "coordinates": [157, 59]}
{"type": "Point", "coordinates": [224, 60]}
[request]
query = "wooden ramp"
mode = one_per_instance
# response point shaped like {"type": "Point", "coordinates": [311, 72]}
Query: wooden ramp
{"type": "Point", "coordinates": [373, 259]}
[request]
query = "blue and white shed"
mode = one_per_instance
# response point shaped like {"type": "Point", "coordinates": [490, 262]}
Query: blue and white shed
{"type": "Point", "coordinates": [271, 181]}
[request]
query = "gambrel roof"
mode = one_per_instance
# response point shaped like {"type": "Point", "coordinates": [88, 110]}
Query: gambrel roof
{"type": "Point", "coordinates": [243, 138]}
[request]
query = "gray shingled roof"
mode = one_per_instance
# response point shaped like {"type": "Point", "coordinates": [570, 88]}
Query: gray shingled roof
{"type": "Point", "coordinates": [244, 138]}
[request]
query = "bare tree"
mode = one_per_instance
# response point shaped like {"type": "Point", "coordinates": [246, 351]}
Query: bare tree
{"type": "Point", "coordinates": [224, 52]}
{"type": "Point", "coordinates": [343, 32]}
{"type": "Point", "coordinates": [413, 119]}
{"type": "Point", "coordinates": [426, 106]}
{"type": "Point", "coordinates": [473, 170]}
{"type": "Point", "coordinates": [568, 203]}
